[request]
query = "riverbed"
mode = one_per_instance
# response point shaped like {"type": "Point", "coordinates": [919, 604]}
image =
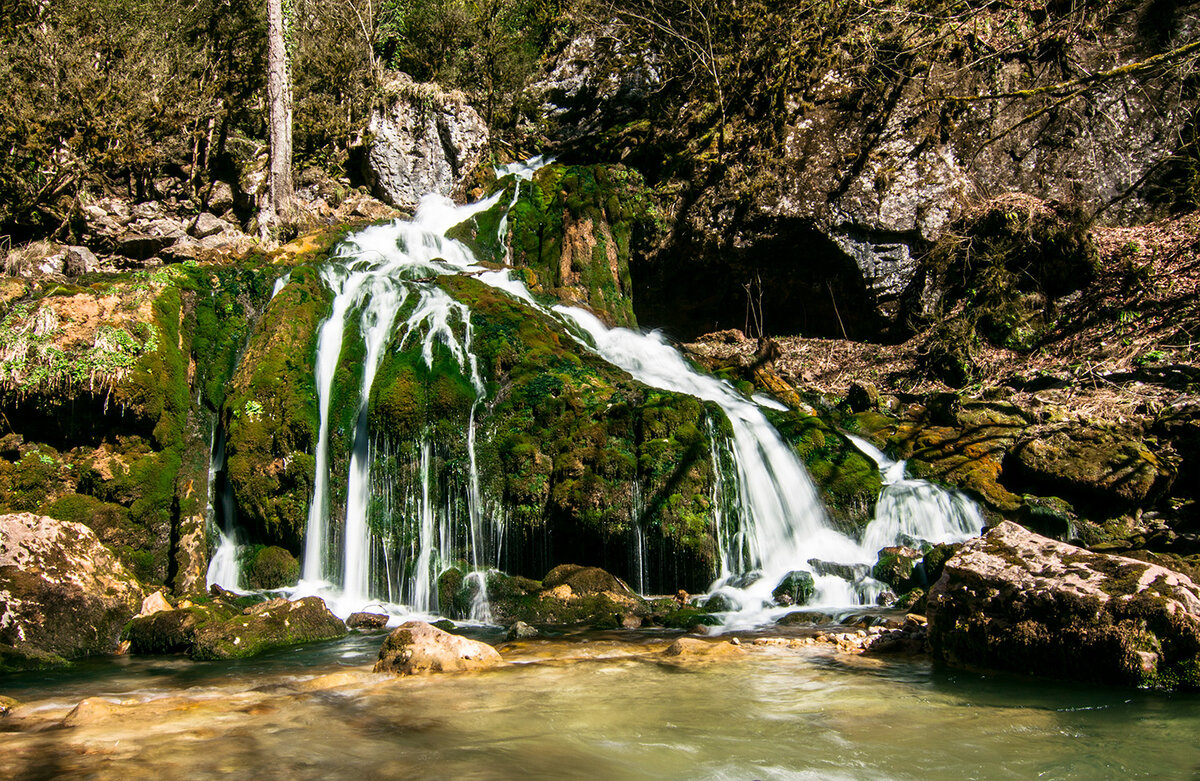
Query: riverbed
{"type": "Point", "coordinates": [587, 706]}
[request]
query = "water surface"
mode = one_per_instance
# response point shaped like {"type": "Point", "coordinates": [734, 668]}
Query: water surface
{"type": "Point", "coordinates": [589, 707]}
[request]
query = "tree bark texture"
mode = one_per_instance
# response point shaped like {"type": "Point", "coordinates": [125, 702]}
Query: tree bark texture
{"type": "Point", "coordinates": [279, 94]}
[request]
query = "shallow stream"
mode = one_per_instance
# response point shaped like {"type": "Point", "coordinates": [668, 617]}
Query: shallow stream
{"type": "Point", "coordinates": [593, 706]}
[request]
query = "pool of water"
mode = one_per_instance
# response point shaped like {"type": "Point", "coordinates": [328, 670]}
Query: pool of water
{"type": "Point", "coordinates": [588, 707]}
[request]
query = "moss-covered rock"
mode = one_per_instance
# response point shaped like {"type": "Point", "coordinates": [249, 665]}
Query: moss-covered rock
{"type": "Point", "coordinates": [597, 599]}
{"type": "Point", "coordinates": [266, 627]}
{"type": "Point", "coordinates": [575, 228]}
{"type": "Point", "coordinates": [1018, 601]}
{"type": "Point", "coordinates": [270, 415]}
{"type": "Point", "coordinates": [796, 588]}
{"type": "Point", "coordinates": [1101, 466]}
{"type": "Point", "coordinates": [895, 567]}
{"type": "Point", "coordinates": [998, 274]}
{"type": "Point", "coordinates": [270, 567]}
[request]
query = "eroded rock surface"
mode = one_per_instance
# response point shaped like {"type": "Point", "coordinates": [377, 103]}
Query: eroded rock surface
{"type": "Point", "coordinates": [62, 593]}
{"type": "Point", "coordinates": [416, 647]}
{"type": "Point", "coordinates": [1018, 601]}
{"type": "Point", "coordinates": [424, 141]}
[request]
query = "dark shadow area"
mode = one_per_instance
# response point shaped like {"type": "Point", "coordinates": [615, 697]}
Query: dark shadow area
{"type": "Point", "coordinates": [796, 279]}
{"type": "Point", "coordinates": [68, 421]}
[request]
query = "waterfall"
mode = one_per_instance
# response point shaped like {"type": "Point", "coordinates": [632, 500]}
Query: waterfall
{"type": "Point", "coordinates": [224, 570]}
{"type": "Point", "coordinates": [911, 511]}
{"type": "Point", "coordinates": [768, 519]}
{"type": "Point", "coordinates": [780, 521]}
{"type": "Point", "coordinates": [375, 277]}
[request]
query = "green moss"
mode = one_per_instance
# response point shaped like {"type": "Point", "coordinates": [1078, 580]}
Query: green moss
{"type": "Point", "coordinates": [575, 228]}
{"type": "Point", "coordinates": [270, 414]}
{"type": "Point", "coordinates": [269, 567]}
{"type": "Point", "coordinates": [848, 481]}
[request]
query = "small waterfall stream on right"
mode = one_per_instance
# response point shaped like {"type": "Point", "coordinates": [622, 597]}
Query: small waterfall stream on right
{"type": "Point", "coordinates": [911, 511]}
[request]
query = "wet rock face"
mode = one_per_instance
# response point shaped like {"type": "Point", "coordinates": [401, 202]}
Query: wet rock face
{"type": "Point", "coordinates": [416, 647]}
{"type": "Point", "coordinates": [424, 141]}
{"type": "Point", "coordinates": [62, 593]}
{"type": "Point", "coordinates": [1018, 601]}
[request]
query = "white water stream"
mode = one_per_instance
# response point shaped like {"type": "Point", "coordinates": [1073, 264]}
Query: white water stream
{"type": "Point", "coordinates": [911, 511]}
{"type": "Point", "coordinates": [769, 519]}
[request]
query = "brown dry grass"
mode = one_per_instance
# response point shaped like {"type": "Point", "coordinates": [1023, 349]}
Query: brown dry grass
{"type": "Point", "coordinates": [1125, 347]}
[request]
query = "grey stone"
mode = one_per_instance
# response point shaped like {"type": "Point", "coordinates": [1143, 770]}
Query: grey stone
{"type": "Point", "coordinates": [62, 592]}
{"type": "Point", "coordinates": [206, 225]}
{"type": "Point", "coordinates": [424, 140]}
{"type": "Point", "coordinates": [80, 260]}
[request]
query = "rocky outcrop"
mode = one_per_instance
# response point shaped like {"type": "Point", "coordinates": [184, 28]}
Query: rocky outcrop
{"type": "Point", "coordinates": [423, 141]}
{"type": "Point", "coordinates": [860, 172]}
{"type": "Point", "coordinates": [275, 624]}
{"type": "Point", "coordinates": [221, 629]}
{"type": "Point", "coordinates": [416, 647]}
{"type": "Point", "coordinates": [1015, 600]}
{"type": "Point", "coordinates": [569, 594]}
{"type": "Point", "coordinates": [1093, 464]}
{"type": "Point", "coordinates": [62, 593]}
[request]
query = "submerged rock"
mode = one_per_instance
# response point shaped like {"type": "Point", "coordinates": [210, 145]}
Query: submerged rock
{"type": "Point", "coordinates": [1018, 601]}
{"type": "Point", "coordinates": [521, 631]}
{"type": "Point", "coordinates": [364, 620]}
{"type": "Point", "coordinates": [694, 648]}
{"type": "Point", "coordinates": [63, 594]}
{"type": "Point", "coordinates": [416, 647]}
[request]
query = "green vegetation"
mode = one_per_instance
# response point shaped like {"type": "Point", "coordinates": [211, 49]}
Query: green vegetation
{"type": "Point", "coordinates": [576, 228]}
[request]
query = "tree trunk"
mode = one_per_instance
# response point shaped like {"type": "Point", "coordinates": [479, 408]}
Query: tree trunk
{"type": "Point", "coordinates": [279, 95]}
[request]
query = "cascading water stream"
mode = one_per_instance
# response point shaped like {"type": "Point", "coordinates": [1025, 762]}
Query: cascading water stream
{"type": "Point", "coordinates": [911, 511]}
{"type": "Point", "coordinates": [782, 522]}
{"type": "Point", "coordinates": [223, 568]}
{"type": "Point", "coordinates": [770, 520]}
{"type": "Point", "coordinates": [373, 277]}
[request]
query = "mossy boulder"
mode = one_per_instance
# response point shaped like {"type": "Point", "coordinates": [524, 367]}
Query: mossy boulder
{"type": "Point", "coordinates": [1015, 600]}
{"type": "Point", "coordinates": [267, 627]}
{"type": "Point", "coordinates": [270, 567]}
{"type": "Point", "coordinates": [1097, 465]}
{"type": "Point", "coordinates": [171, 631]}
{"type": "Point", "coordinates": [895, 567]}
{"type": "Point", "coordinates": [63, 594]}
{"type": "Point", "coordinates": [796, 588]}
{"type": "Point", "coordinates": [597, 599]}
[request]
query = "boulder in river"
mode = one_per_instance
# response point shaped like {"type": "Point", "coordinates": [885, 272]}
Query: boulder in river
{"type": "Point", "coordinates": [1015, 600]}
{"type": "Point", "coordinates": [63, 594]}
{"type": "Point", "coordinates": [222, 629]}
{"type": "Point", "coordinates": [569, 594]}
{"type": "Point", "coordinates": [283, 624]}
{"type": "Point", "coordinates": [365, 620]}
{"type": "Point", "coordinates": [416, 647]}
{"type": "Point", "coordinates": [796, 588]}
